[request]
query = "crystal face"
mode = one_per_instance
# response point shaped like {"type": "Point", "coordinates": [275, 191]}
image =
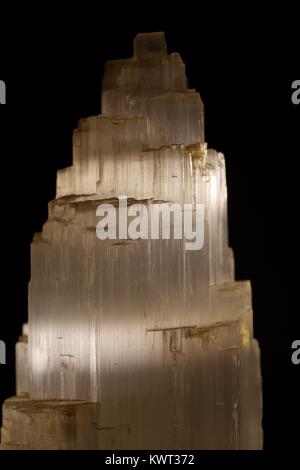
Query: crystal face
{"type": "Point", "coordinates": [137, 344]}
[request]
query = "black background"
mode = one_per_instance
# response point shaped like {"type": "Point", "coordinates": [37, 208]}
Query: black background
{"type": "Point", "coordinates": [53, 68]}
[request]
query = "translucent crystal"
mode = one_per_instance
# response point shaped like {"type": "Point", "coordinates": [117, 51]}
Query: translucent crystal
{"type": "Point", "coordinates": [150, 345]}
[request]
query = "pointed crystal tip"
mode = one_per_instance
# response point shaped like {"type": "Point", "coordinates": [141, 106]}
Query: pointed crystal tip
{"type": "Point", "coordinates": [149, 45]}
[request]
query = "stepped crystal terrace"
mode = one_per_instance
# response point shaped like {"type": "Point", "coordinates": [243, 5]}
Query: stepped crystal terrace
{"type": "Point", "coordinates": [137, 343]}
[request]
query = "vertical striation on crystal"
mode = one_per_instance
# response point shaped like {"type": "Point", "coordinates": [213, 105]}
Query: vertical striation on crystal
{"type": "Point", "coordinates": [138, 343]}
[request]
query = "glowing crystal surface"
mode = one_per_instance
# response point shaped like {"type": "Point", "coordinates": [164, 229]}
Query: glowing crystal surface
{"type": "Point", "coordinates": [147, 345]}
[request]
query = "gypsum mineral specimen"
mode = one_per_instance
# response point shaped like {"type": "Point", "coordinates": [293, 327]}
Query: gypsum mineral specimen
{"type": "Point", "coordinates": [137, 344]}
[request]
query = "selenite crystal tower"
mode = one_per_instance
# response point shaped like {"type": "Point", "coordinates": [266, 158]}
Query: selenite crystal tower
{"type": "Point", "coordinates": [137, 344]}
